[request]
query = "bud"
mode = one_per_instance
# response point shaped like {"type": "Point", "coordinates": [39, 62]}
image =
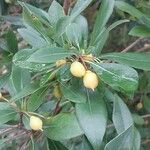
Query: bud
{"type": "Point", "coordinates": [60, 62]}
{"type": "Point", "coordinates": [57, 92]}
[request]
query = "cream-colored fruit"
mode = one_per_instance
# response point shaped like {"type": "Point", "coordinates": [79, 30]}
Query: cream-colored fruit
{"type": "Point", "coordinates": [90, 80]}
{"type": "Point", "coordinates": [77, 69]}
{"type": "Point", "coordinates": [8, 1]}
{"type": "Point", "coordinates": [1, 95]}
{"type": "Point", "coordinates": [36, 123]}
{"type": "Point", "coordinates": [139, 105]}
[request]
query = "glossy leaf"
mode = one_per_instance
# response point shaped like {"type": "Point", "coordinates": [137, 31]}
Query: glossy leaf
{"type": "Point", "coordinates": [136, 60]}
{"type": "Point", "coordinates": [18, 79]}
{"type": "Point", "coordinates": [82, 23]}
{"type": "Point", "coordinates": [11, 40]}
{"type": "Point", "coordinates": [74, 92]}
{"type": "Point", "coordinates": [73, 34]}
{"type": "Point", "coordinates": [62, 127]}
{"type": "Point", "coordinates": [36, 99]}
{"type": "Point", "coordinates": [92, 117]}
{"type": "Point", "coordinates": [55, 12]}
{"type": "Point", "coordinates": [103, 15]}
{"type": "Point", "coordinates": [122, 117]}
{"type": "Point", "coordinates": [27, 90]}
{"type": "Point", "coordinates": [54, 145]}
{"type": "Point", "coordinates": [20, 59]}
{"type": "Point", "coordinates": [49, 55]}
{"type": "Point", "coordinates": [7, 113]}
{"type": "Point", "coordinates": [118, 76]}
{"type": "Point", "coordinates": [140, 31]}
{"type": "Point", "coordinates": [32, 37]}
{"type": "Point", "coordinates": [123, 6]}
{"type": "Point", "coordinates": [100, 40]}
{"type": "Point", "coordinates": [3, 80]}
{"type": "Point", "coordinates": [129, 139]}
{"type": "Point", "coordinates": [79, 7]}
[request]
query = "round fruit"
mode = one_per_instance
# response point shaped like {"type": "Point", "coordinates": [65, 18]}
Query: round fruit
{"type": "Point", "coordinates": [1, 95]}
{"type": "Point", "coordinates": [57, 92]}
{"type": "Point", "coordinates": [36, 123]}
{"type": "Point", "coordinates": [8, 1]}
{"type": "Point", "coordinates": [60, 62]}
{"type": "Point", "coordinates": [139, 105]}
{"type": "Point", "coordinates": [90, 80]}
{"type": "Point", "coordinates": [77, 69]}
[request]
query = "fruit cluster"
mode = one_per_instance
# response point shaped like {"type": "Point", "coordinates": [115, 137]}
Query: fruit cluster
{"type": "Point", "coordinates": [90, 79]}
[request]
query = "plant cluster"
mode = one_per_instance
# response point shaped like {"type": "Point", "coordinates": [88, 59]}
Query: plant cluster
{"type": "Point", "coordinates": [63, 92]}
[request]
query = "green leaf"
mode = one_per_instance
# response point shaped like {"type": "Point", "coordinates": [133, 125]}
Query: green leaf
{"type": "Point", "coordinates": [136, 60]}
{"type": "Point", "coordinates": [100, 40]}
{"type": "Point", "coordinates": [18, 79]}
{"type": "Point", "coordinates": [39, 13]}
{"type": "Point", "coordinates": [118, 76]}
{"type": "Point", "coordinates": [82, 23]}
{"type": "Point", "coordinates": [61, 25]}
{"type": "Point", "coordinates": [49, 55]}
{"type": "Point", "coordinates": [92, 117]}
{"type": "Point", "coordinates": [27, 90]}
{"type": "Point", "coordinates": [122, 117]}
{"type": "Point", "coordinates": [146, 101]}
{"type": "Point", "coordinates": [32, 37]}
{"type": "Point", "coordinates": [140, 31]}
{"type": "Point", "coordinates": [128, 140]}
{"type": "Point", "coordinates": [20, 59]}
{"type": "Point", "coordinates": [73, 34]}
{"type": "Point", "coordinates": [138, 119]}
{"type": "Point", "coordinates": [123, 6]}
{"type": "Point", "coordinates": [103, 15]}
{"type": "Point", "coordinates": [7, 113]}
{"type": "Point", "coordinates": [3, 80]}
{"type": "Point", "coordinates": [79, 7]}
{"type": "Point", "coordinates": [55, 12]}
{"type": "Point", "coordinates": [62, 127]}
{"type": "Point", "coordinates": [31, 19]}
{"type": "Point", "coordinates": [11, 41]}
{"type": "Point", "coordinates": [36, 99]}
{"type": "Point", "coordinates": [74, 92]}
{"type": "Point", "coordinates": [54, 145]}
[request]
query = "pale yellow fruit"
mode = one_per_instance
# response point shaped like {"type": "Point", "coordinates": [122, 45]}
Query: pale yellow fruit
{"type": "Point", "coordinates": [60, 62]}
{"type": "Point", "coordinates": [77, 69]}
{"type": "Point", "coordinates": [1, 95]}
{"type": "Point", "coordinates": [8, 1]}
{"type": "Point", "coordinates": [90, 80]}
{"type": "Point", "coordinates": [36, 123]}
{"type": "Point", "coordinates": [139, 105]}
{"type": "Point", "coordinates": [57, 92]}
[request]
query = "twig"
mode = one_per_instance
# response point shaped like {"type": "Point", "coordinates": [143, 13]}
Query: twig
{"type": "Point", "coordinates": [144, 48]}
{"type": "Point", "coordinates": [130, 46]}
{"type": "Point", "coordinates": [66, 6]}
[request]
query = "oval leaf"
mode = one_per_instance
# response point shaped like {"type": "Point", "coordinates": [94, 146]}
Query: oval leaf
{"type": "Point", "coordinates": [118, 76]}
{"type": "Point", "coordinates": [92, 117]}
{"type": "Point", "coordinates": [129, 139]}
{"type": "Point", "coordinates": [122, 117]}
{"type": "Point", "coordinates": [136, 60]}
{"type": "Point", "coordinates": [62, 127]}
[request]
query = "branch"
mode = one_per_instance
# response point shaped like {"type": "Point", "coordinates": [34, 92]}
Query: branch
{"type": "Point", "coordinates": [132, 45]}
